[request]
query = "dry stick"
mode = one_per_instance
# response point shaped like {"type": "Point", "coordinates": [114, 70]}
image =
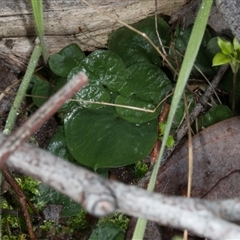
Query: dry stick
{"type": "Point", "coordinates": [200, 106]}
{"type": "Point", "coordinates": [190, 157]}
{"type": "Point", "coordinates": [6, 91]}
{"type": "Point", "coordinates": [41, 115]}
{"type": "Point", "coordinates": [156, 27]}
{"type": "Point", "coordinates": [22, 200]}
{"type": "Point", "coordinates": [18, 190]}
{"type": "Point", "coordinates": [100, 196]}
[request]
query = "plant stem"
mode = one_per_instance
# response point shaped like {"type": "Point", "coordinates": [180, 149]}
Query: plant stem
{"type": "Point", "coordinates": [38, 17]}
{"type": "Point", "coordinates": [16, 105]}
{"type": "Point", "coordinates": [22, 89]}
{"type": "Point", "coordinates": [1, 201]}
{"type": "Point", "coordinates": [188, 62]}
{"type": "Point", "coordinates": [234, 92]}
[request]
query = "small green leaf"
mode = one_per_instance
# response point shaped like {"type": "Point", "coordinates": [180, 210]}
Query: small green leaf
{"type": "Point", "coordinates": [162, 127]}
{"type": "Point", "coordinates": [214, 115]}
{"type": "Point", "coordinates": [58, 145]}
{"type": "Point", "coordinates": [50, 196]}
{"type": "Point", "coordinates": [41, 91]}
{"type": "Point", "coordinates": [63, 62]}
{"type": "Point", "coordinates": [220, 59]}
{"type": "Point", "coordinates": [170, 141]}
{"type": "Point", "coordinates": [107, 231]}
{"type": "Point", "coordinates": [236, 44]}
{"type": "Point", "coordinates": [226, 46]}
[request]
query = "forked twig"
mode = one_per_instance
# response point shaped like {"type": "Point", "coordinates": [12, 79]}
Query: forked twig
{"type": "Point", "coordinates": [41, 115]}
{"type": "Point", "coordinates": [200, 106]}
{"type": "Point", "coordinates": [101, 197]}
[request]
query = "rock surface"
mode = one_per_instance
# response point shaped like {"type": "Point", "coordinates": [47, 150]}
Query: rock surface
{"type": "Point", "coordinates": [70, 21]}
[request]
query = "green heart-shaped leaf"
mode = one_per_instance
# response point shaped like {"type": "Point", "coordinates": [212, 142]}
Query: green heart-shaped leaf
{"type": "Point", "coordinates": [103, 67]}
{"type": "Point", "coordinates": [100, 139]}
{"type": "Point", "coordinates": [133, 48]}
{"type": "Point", "coordinates": [147, 82]}
{"type": "Point", "coordinates": [146, 86]}
{"type": "Point", "coordinates": [95, 93]}
{"type": "Point", "coordinates": [63, 62]}
{"type": "Point", "coordinates": [135, 116]}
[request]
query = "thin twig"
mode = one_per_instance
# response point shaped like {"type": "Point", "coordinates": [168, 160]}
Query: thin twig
{"type": "Point", "coordinates": [156, 28]}
{"type": "Point", "coordinates": [190, 157]}
{"type": "Point", "coordinates": [22, 200]}
{"type": "Point", "coordinates": [190, 149]}
{"type": "Point", "coordinates": [41, 115]}
{"type": "Point", "coordinates": [6, 91]}
{"type": "Point", "coordinates": [200, 106]}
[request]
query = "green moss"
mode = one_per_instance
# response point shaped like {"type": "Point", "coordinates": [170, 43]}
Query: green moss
{"type": "Point", "coordinates": [140, 169]}
{"type": "Point", "coordinates": [117, 218]}
{"type": "Point", "coordinates": [78, 221]}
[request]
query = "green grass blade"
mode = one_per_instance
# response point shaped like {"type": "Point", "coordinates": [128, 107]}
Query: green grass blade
{"type": "Point", "coordinates": [189, 58]}
{"type": "Point", "coordinates": [38, 17]}
{"type": "Point", "coordinates": [22, 90]}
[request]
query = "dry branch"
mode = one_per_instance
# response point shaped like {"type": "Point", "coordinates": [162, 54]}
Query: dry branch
{"type": "Point", "coordinates": [101, 197]}
{"type": "Point", "coordinates": [41, 115]}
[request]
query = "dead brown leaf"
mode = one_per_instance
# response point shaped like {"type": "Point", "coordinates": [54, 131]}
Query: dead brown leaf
{"type": "Point", "coordinates": [216, 167]}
